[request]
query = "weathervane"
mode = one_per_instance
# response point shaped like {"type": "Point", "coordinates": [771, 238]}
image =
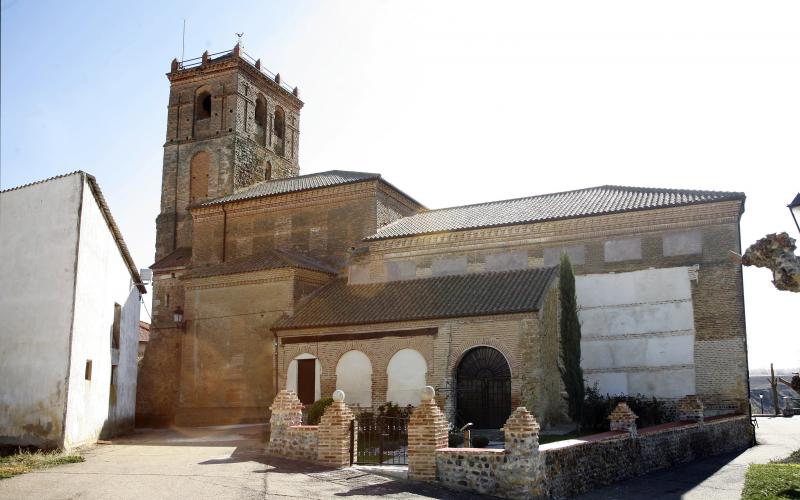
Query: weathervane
{"type": "Point", "coordinates": [239, 38]}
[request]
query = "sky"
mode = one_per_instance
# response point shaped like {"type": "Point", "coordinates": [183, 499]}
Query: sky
{"type": "Point", "coordinates": [452, 102]}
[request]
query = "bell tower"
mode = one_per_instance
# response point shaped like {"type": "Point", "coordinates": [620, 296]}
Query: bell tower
{"type": "Point", "coordinates": [230, 124]}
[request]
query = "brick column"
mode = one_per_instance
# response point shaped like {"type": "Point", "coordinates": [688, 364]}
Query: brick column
{"type": "Point", "coordinates": [287, 410]}
{"type": "Point", "coordinates": [334, 433]}
{"type": "Point", "coordinates": [690, 409]}
{"type": "Point", "coordinates": [521, 475]}
{"type": "Point", "coordinates": [427, 432]}
{"type": "Point", "coordinates": [623, 419]}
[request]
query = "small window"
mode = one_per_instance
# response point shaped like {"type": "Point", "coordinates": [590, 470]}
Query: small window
{"type": "Point", "coordinates": [87, 374]}
{"type": "Point", "coordinates": [115, 326]}
{"type": "Point", "coordinates": [203, 105]}
{"type": "Point", "coordinates": [268, 171]}
{"type": "Point", "coordinates": [280, 122]}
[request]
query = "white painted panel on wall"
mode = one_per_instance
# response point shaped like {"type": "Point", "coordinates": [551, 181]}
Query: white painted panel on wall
{"type": "Point", "coordinates": [400, 270]}
{"type": "Point", "coordinates": [608, 383]}
{"type": "Point", "coordinates": [449, 266]}
{"type": "Point", "coordinates": [638, 326]}
{"type": "Point", "coordinates": [358, 274]}
{"type": "Point", "coordinates": [406, 373]}
{"type": "Point", "coordinates": [639, 318]}
{"type": "Point", "coordinates": [552, 256]}
{"type": "Point", "coordinates": [291, 375]}
{"type": "Point", "coordinates": [662, 383]}
{"type": "Point", "coordinates": [354, 377]}
{"type": "Point", "coordinates": [619, 250]}
{"type": "Point", "coordinates": [637, 287]}
{"type": "Point", "coordinates": [507, 261]}
{"type": "Point", "coordinates": [686, 243]}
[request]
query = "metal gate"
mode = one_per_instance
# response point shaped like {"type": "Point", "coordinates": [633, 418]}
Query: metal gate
{"type": "Point", "coordinates": [382, 440]}
{"type": "Point", "coordinates": [483, 389]}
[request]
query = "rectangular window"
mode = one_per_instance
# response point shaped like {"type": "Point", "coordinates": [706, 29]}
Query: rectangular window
{"type": "Point", "coordinates": [115, 326]}
{"type": "Point", "coordinates": [87, 374]}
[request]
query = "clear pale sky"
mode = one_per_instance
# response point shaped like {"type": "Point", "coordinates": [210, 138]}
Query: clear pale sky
{"type": "Point", "coordinates": [453, 102]}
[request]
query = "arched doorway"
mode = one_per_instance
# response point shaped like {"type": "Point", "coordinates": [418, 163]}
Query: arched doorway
{"type": "Point", "coordinates": [483, 389]}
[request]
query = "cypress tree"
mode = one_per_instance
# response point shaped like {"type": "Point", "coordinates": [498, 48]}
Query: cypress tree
{"type": "Point", "coordinates": [570, 328]}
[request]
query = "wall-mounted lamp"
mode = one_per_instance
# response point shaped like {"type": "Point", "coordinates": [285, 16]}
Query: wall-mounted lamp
{"type": "Point", "coordinates": [177, 317]}
{"type": "Point", "coordinates": [794, 208]}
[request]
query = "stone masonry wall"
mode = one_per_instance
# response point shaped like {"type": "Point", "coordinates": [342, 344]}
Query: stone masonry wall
{"type": "Point", "coordinates": [571, 470]}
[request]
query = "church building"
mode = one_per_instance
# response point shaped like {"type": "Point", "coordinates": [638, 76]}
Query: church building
{"type": "Point", "coordinates": [265, 279]}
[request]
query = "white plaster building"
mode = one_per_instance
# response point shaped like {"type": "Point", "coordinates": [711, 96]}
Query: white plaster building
{"type": "Point", "coordinates": [70, 316]}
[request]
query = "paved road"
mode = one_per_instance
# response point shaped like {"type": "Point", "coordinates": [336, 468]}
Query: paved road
{"type": "Point", "coordinates": [211, 463]}
{"type": "Point", "coordinates": [720, 477]}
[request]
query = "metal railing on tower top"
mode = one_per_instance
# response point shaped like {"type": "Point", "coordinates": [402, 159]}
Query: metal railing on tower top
{"type": "Point", "coordinates": [198, 61]}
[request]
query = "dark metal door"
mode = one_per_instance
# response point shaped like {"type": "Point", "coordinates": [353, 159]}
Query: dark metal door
{"type": "Point", "coordinates": [306, 380]}
{"type": "Point", "coordinates": [382, 440]}
{"type": "Point", "coordinates": [483, 389]}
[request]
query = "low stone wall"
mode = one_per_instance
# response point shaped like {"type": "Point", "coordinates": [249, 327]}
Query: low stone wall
{"type": "Point", "coordinates": [328, 443]}
{"type": "Point", "coordinates": [298, 441]}
{"type": "Point", "coordinates": [469, 469]}
{"type": "Point", "coordinates": [577, 468]}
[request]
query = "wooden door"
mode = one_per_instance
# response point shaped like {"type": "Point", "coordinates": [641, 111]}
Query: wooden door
{"type": "Point", "coordinates": [306, 380]}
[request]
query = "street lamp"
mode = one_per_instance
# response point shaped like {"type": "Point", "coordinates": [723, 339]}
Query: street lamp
{"type": "Point", "coordinates": [761, 398]}
{"type": "Point", "coordinates": [177, 317]}
{"type": "Point", "coordinates": [794, 208]}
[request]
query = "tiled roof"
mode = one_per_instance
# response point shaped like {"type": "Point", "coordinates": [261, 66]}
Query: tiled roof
{"type": "Point", "coordinates": [339, 304]}
{"type": "Point", "coordinates": [271, 259]}
{"type": "Point", "coordinates": [579, 203]}
{"type": "Point", "coordinates": [293, 184]}
{"type": "Point", "coordinates": [179, 257]}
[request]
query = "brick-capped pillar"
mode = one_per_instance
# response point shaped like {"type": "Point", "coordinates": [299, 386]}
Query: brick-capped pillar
{"type": "Point", "coordinates": [690, 409]}
{"type": "Point", "coordinates": [623, 419]}
{"type": "Point", "coordinates": [334, 434]}
{"type": "Point", "coordinates": [521, 474]}
{"type": "Point", "coordinates": [287, 410]}
{"type": "Point", "coordinates": [427, 432]}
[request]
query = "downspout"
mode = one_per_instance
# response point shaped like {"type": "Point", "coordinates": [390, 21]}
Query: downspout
{"type": "Point", "coordinates": [224, 231]}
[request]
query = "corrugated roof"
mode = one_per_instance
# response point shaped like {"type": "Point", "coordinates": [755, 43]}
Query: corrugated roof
{"type": "Point", "coordinates": [294, 184]}
{"type": "Point", "coordinates": [479, 294]}
{"type": "Point", "coordinates": [579, 203]}
{"type": "Point", "coordinates": [271, 259]}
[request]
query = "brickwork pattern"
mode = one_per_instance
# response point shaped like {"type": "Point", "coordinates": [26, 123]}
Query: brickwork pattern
{"type": "Point", "coordinates": [288, 438]}
{"type": "Point", "coordinates": [690, 409]}
{"type": "Point", "coordinates": [427, 432]}
{"type": "Point", "coordinates": [334, 436]}
{"type": "Point", "coordinates": [622, 418]}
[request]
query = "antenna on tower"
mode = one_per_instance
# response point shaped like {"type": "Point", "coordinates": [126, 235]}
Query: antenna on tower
{"type": "Point", "coordinates": [183, 41]}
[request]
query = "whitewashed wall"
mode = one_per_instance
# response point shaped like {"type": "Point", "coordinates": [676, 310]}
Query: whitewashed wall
{"type": "Point", "coordinates": [38, 247]}
{"type": "Point", "coordinates": [103, 279]}
{"type": "Point", "coordinates": [354, 377]}
{"type": "Point", "coordinates": [638, 331]}
{"type": "Point", "coordinates": [406, 372]}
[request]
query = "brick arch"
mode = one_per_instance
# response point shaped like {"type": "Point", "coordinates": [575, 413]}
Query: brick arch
{"type": "Point", "coordinates": [481, 342]}
{"type": "Point", "coordinates": [199, 174]}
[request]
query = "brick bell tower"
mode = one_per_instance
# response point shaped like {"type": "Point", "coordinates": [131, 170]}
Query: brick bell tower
{"type": "Point", "coordinates": [230, 124]}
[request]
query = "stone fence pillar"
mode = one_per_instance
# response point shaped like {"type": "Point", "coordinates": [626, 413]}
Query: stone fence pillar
{"type": "Point", "coordinates": [287, 411]}
{"type": "Point", "coordinates": [521, 475]}
{"type": "Point", "coordinates": [623, 419]}
{"type": "Point", "coordinates": [334, 434]}
{"type": "Point", "coordinates": [427, 432]}
{"type": "Point", "coordinates": [690, 409]}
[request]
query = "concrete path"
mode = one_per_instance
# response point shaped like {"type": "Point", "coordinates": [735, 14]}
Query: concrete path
{"type": "Point", "coordinates": [719, 477]}
{"type": "Point", "coordinates": [213, 463]}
